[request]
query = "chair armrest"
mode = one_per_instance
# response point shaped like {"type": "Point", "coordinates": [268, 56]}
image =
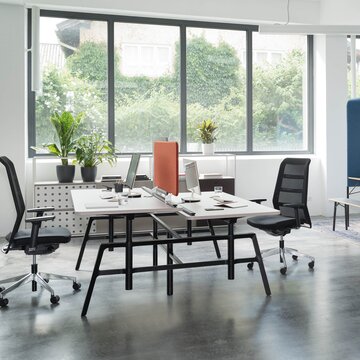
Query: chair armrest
{"type": "Point", "coordinates": [258, 201]}
{"type": "Point", "coordinates": [39, 219]}
{"type": "Point", "coordinates": [45, 208]}
{"type": "Point", "coordinates": [40, 210]}
{"type": "Point", "coordinates": [35, 227]}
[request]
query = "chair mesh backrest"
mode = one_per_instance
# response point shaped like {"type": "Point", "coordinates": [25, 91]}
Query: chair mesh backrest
{"type": "Point", "coordinates": [16, 193]}
{"type": "Point", "coordinates": [292, 188]}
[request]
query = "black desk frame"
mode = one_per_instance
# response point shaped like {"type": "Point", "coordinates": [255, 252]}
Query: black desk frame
{"type": "Point", "coordinates": [172, 238]}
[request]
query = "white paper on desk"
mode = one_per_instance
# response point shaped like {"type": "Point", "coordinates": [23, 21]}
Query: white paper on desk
{"type": "Point", "coordinates": [232, 205]}
{"type": "Point", "coordinates": [101, 205]}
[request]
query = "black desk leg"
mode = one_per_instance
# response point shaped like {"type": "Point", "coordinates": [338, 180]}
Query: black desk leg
{"type": "Point", "coordinates": [261, 265]}
{"type": "Point", "coordinates": [155, 247]}
{"type": "Point", "coordinates": [129, 254]}
{"type": "Point", "coordinates": [189, 230]}
{"type": "Point", "coordinates": [111, 231]}
{"type": "Point", "coordinates": [170, 272]}
{"type": "Point", "coordinates": [347, 211]}
{"type": "Point", "coordinates": [334, 216]}
{"type": "Point", "coordinates": [216, 245]}
{"type": "Point", "coordinates": [94, 276]}
{"type": "Point", "coordinates": [231, 250]}
{"type": "Point", "coordinates": [84, 242]}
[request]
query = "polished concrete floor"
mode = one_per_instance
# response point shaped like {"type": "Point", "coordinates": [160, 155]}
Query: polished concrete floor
{"type": "Point", "coordinates": [310, 315]}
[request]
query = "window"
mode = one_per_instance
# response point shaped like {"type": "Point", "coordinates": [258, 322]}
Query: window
{"type": "Point", "coordinates": [279, 93]}
{"type": "Point", "coordinates": [357, 67]}
{"type": "Point", "coordinates": [216, 86]}
{"type": "Point", "coordinates": [139, 80]}
{"type": "Point", "coordinates": [74, 69]}
{"type": "Point", "coordinates": [147, 102]}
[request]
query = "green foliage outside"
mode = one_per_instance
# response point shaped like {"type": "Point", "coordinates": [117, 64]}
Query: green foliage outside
{"type": "Point", "coordinates": [149, 108]}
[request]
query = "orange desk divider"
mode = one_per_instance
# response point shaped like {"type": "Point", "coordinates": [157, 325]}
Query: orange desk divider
{"type": "Point", "coordinates": [166, 166]}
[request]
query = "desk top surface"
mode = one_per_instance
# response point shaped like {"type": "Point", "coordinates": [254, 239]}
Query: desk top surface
{"type": "Point", "coordinates": [90, 202]}
{"type": "Point", "coordinates": [242, 207]}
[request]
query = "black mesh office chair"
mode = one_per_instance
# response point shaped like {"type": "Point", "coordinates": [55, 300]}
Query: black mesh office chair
{"type": "Point", "coordinates": [34, 241]}
{"type": "Point", "coordinates": [290, 197]}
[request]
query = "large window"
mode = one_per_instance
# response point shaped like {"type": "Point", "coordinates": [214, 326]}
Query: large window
{"type": "Point", "coordinates": [139, 80]}
{"type": "Point", "coordinates": [280, 120]}
{"type": "Point", "coordinates": [216, 86]}
{"type": "Point", "coordinates": [147, 102]}
{"type": "Point", "coordinates": [73, 58]}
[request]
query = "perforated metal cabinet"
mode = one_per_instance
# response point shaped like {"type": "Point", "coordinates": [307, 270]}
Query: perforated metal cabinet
{"type": "Point", "coordinates": [59, 196]}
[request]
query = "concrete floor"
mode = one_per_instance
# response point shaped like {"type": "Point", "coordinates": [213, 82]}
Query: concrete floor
{"type": "Point", "coordinates": [310, 315]}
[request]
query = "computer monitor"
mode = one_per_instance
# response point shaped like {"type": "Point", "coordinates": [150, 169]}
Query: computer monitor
{"type": "Point", "coordinates": [131, 174]}
{"type": "Point", "coordinates": [192, 181]}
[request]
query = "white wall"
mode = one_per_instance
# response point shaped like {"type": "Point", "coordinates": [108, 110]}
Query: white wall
{"type": "Point", "coordinates": [344, 12]}
{"type": "Point", "coordinates": [12, 104]}
{"type": "Point", "coordinates": [302, 11]}
{"type": "Point", "coordinates": [330, 114]}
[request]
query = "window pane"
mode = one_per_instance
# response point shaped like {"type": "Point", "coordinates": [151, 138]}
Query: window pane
{"type": "Point", "coordinates": [74, 73]}
{"type": "Point", "coordinates": [147, 78]}
{"type": "Point", "coordinates": [279, 93]}
{"type": "Point", "coordinates": [357, 67]}
{"type": "Point", "coordinates": [216, 86]}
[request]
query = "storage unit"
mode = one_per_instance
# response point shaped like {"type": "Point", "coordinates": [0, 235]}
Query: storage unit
{"type": "Point", "coordinates": [58, 195]}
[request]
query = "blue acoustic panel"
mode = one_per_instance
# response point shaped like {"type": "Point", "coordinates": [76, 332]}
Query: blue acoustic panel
{"type": "Point", "coordinates": [353, 140]}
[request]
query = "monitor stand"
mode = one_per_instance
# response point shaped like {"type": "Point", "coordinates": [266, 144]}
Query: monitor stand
{"type": "Point", "coordinates": [190, 199]}
{"type": "Point", "coordinates": [132, 194]}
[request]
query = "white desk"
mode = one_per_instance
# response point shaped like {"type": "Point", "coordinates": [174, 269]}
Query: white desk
{"type": "Point", "coordinates": [144, 205]}
{"type": "Point", "coordinates": [250, 208]}
{"type": "Point", "coordinates": [155, 208]}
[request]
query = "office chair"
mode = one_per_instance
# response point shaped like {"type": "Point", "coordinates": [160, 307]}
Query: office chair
{"type": "Point", "coordinates": [34, 241]}
{"type": "Point", "coordinates": [290, 197]}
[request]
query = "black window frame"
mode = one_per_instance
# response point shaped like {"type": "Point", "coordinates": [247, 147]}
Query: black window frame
{"type": "Point", "coordinates": [183, 25]}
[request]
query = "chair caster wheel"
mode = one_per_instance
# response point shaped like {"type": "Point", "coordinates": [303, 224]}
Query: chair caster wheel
{"type": "Point", "coordinates": [4, 302]}
{"type": "Point", "coordinates": [250, 266]}
{"type": "Point", "coordinates": [311, 264]}
{"type": "Point", "coordinates": [76, 286]}
{"type": "Point", "coordinates": [283, 270]}
{"type": "Point", "coordinates": [2, 288]}
{"type": "Point", "coordinates": [54, 299]}
{"type": "Point", "coordinates": [294, 257]}
{"type": "Point", "coordinates": [46, 280]}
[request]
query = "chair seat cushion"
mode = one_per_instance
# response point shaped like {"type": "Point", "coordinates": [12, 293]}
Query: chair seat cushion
{"type": "Point", "coordinates": [46, 236]}
{"type": "Point", "coordinates": [276, 224]}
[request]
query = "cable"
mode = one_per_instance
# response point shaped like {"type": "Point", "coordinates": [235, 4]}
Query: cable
{"type": "Point", "coordinates": [287, 12]}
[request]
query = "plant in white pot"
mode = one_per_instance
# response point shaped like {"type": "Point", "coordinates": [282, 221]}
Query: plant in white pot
{"type": "Point", "coordinates": [91, 150]}
{"type": "Point", "coordinates": [65, 125]}
{"type": "Point", "coordinates": [207, 134]}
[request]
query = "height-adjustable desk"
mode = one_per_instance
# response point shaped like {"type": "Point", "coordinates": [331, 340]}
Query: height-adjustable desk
{"type": "Point", "coordinates": [88, 202]}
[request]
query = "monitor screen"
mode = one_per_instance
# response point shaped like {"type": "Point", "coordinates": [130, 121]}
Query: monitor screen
{"type": "Point", "coordinates": [166, 166]}
{"type": "Point", "coordinates": [131, 175]}
{"type": "Point", "coordinates": [192, 177]}
{"type": "Point", "coordinates": [192, 181]}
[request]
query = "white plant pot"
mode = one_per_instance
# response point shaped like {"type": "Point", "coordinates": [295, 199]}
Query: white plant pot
{"type": "Point", "coordinates": [208, 149]}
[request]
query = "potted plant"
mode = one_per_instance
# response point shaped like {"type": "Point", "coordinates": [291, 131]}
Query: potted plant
{"type": "Point", "coordinates": [206, 133]}
{"type": "Point", "coordinates": [91, 150]}
{"type": "Point", "coordinates": [65, 125]}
